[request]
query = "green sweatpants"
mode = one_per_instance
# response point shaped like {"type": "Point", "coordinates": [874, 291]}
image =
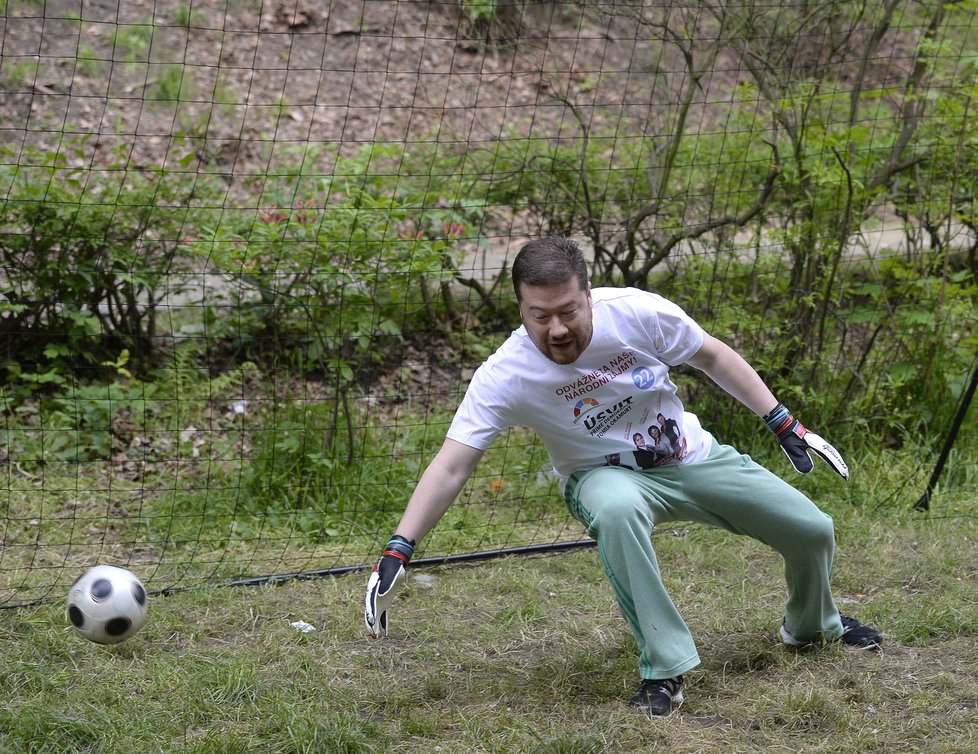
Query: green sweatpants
{"type": "Point", "coordinates": [620, 507]}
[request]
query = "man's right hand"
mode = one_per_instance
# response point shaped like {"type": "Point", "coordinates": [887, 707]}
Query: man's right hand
{"type": "Point", "coordinates": [384, 582]}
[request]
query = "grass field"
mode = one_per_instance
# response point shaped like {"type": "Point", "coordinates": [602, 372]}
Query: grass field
{"type": "Point", "coordinates": [525, 655]}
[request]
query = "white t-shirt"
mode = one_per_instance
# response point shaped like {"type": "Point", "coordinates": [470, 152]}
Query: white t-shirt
{"type": "Point", "coordinates": [614, 405]}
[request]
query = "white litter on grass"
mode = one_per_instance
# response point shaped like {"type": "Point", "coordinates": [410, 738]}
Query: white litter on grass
{"type": "Point", "coordinates": [302, 626]}
{"type": "Point", "coordinates": [425, 580]}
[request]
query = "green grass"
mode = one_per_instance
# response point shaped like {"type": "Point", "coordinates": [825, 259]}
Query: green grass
{"type": "Point", "coordinates": [525, 655]}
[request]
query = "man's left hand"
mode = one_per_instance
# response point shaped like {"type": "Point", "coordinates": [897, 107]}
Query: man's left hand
{"type": "Point", "coordinates": [798, 443]}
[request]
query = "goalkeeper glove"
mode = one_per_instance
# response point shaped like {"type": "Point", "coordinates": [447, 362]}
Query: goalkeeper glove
{"type": "Point", "coordinates": [385, 580]}
{"type": "Point", "coordinates": [796, 442]}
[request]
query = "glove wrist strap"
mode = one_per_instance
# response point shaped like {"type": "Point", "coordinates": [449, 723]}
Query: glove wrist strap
{"type": "Point", "coordinates": [400, 548]}
{"type": "Point", "coordinates": [779, 419]}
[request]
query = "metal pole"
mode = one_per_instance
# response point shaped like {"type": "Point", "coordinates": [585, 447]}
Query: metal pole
{"type": "Point", "coordinates": [952, 435]}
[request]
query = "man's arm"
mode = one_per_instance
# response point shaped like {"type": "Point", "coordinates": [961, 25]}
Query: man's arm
{"type": "Point", "coordinates": [440, 484]}
{"type": "Point", "coordinates": [730, 371]}
{"type": "Point", "coordinates": [437, 489]}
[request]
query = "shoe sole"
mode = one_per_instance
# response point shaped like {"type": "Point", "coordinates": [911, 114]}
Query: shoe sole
{"type": "Point", "coordinates": [791, 641]}
{"type": "Point", "coordinates": [863, 647]}
{"type": "Point", "coordinates": [676, 699]}
{"type": "Point", "coordinates": [788, 639]}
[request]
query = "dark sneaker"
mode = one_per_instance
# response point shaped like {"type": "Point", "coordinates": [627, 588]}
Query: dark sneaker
{"type": "Point", "coordinates": [656, 696]}
{"type": "Point", "coordinates": [854, 634]}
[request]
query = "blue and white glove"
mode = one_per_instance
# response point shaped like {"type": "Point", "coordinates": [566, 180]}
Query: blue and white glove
{"type": "Point", "coordinates": [796, 442]}
{"type": "Point", "coordinates": [385, 580]}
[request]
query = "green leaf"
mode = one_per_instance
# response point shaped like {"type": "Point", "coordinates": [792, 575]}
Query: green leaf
{"type": "Point", "coordinates": [56, 350]}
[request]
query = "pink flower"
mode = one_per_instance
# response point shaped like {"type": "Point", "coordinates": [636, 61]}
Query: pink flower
{"type": "Point", "coordinates": [407, 232]}
{"type": "Point", "coordinates": [452, 229]}
{"type": "Point", "coordinates": [272, 215]}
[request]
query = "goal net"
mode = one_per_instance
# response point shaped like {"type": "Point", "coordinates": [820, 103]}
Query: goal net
{"type": "Point", "coordinates": [252, 251]}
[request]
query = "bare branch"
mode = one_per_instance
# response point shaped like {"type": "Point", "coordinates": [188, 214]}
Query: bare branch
{"type": "Point", "coordinates": [726, 220]}
{"type": "Point", "coordinates": [879, 31]}
{"type": "Point", "coordinates": [913, 108]}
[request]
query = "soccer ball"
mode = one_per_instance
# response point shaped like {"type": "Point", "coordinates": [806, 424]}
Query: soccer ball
{"type": "Point", "coordinates": [107, 604]}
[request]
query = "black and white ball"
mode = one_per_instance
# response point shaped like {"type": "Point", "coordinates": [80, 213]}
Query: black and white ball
{"type": "Point", "coordinates": [107, 604]}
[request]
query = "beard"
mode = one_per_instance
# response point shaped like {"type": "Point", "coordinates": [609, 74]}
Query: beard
{"type": "Point", "coordinates": [566, 350]}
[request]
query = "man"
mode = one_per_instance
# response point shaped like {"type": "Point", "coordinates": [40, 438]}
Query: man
{"type": "Point", "coordinates": [585, 370]}
{"type": "Point", "coordinates": [669, 429]}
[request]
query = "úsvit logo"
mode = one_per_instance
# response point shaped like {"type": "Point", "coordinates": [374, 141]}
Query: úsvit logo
{"type": "Point", "coordinates": [583, 407]}
{"type": "Point", "coordinates": [597, 419]}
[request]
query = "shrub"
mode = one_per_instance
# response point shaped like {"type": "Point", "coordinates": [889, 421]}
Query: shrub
{"type": "Point", "coordinates": [330, 270]}
{"type": "Point", "coordinates": [87, 255]}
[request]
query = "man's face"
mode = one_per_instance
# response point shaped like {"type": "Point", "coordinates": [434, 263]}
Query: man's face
{"type": "Point", "coordinates": [557, 319]}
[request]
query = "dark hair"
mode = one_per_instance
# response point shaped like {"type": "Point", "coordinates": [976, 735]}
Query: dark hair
{"type": "Point", "coordinates": [548, 262]}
